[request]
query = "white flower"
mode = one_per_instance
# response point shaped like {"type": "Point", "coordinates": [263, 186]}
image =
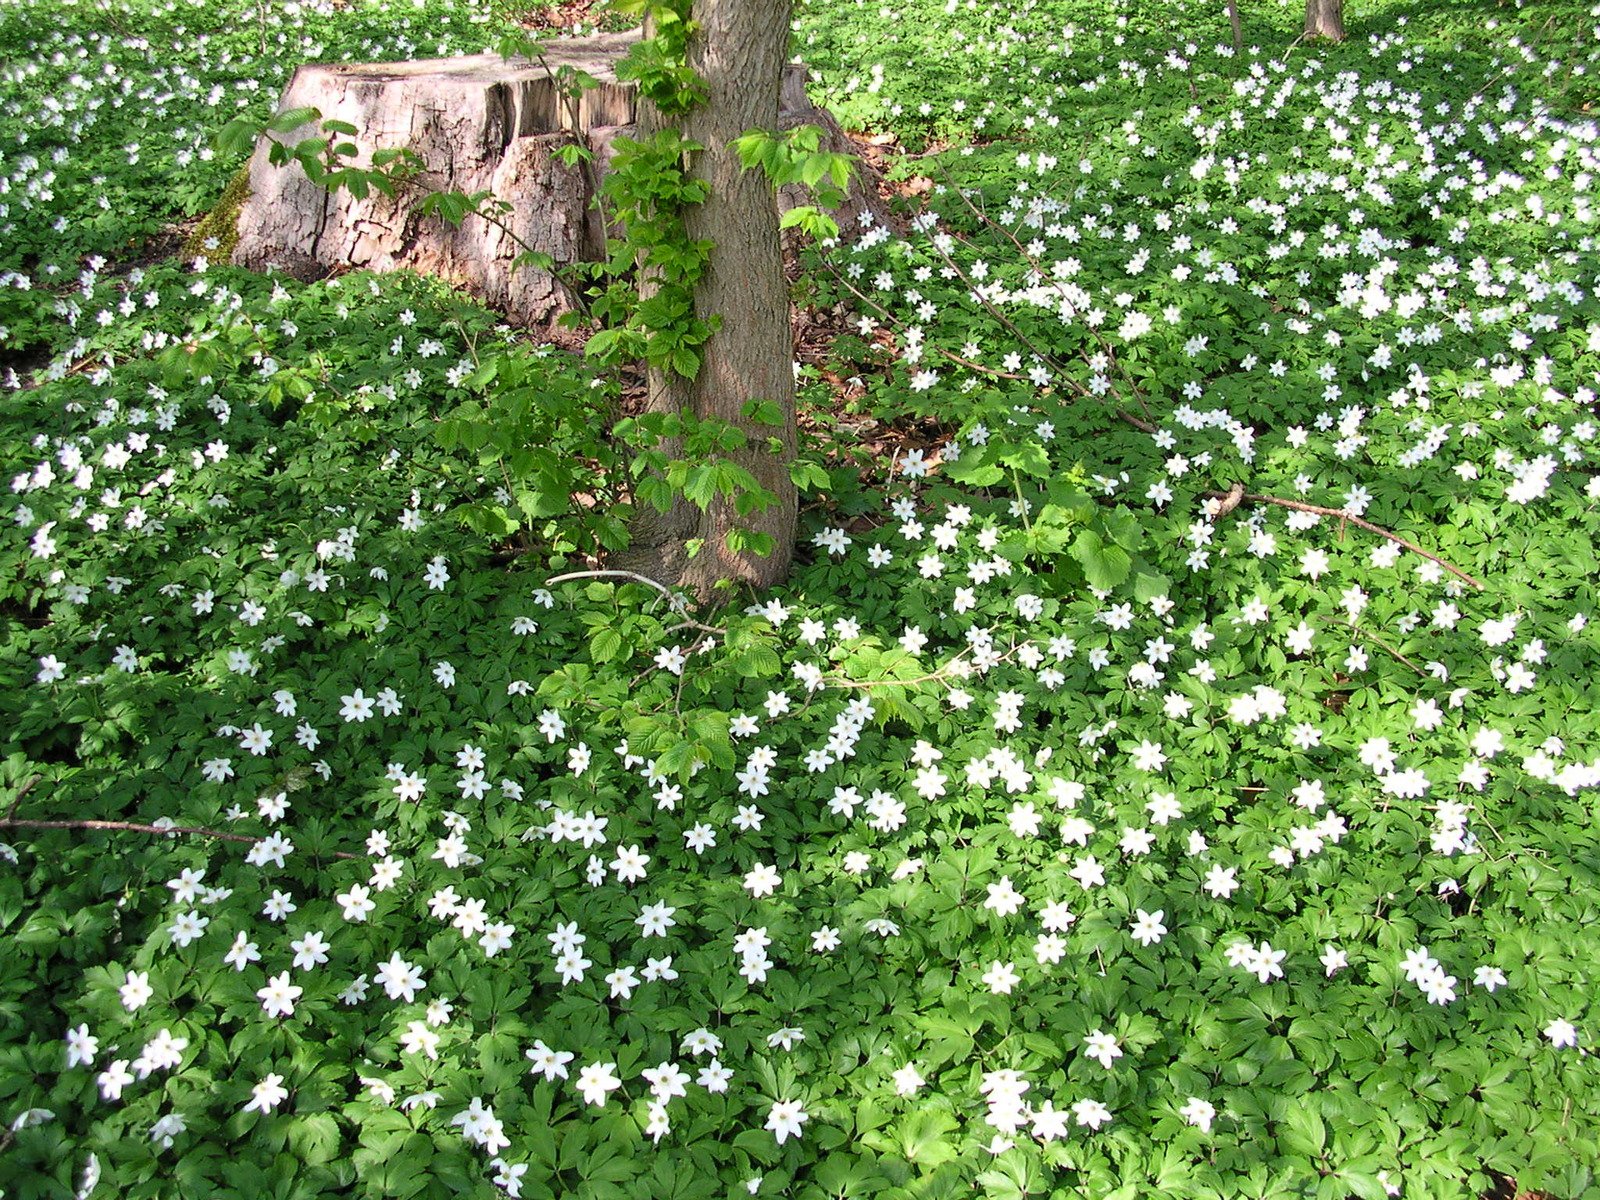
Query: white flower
{"type": "Point", "coordinates": [167, 1130]}
{"type": "Point", "coordinates": [714, 1077]}
{"type": "Point", "coordinates": [310, 951]}
{"type": "Point", "coordinates": [113, 1079]}
{"type": "Point", "coordinates": [1004, 898]}
{"type": "Point", "coordinates": [1265, 962]}
{"type": "Point", "coordinates": [508, 1176]}
{"type": "Point", "coordinates": [419, 1039]}
{"type": "Point", "coordinates": [552, 1064]}
{"type": "Point", "coordinates": [785, 1119]}
{"type": "Point", "coordinates": [1091, 1113]}
{"type": "Point", "coordinates": [187, 927]}
{"type": "Point", "coordinates": [666, 1080]}
{"type": "Point", "coordinates": [1001, 977]}
{"type": "Point", "coordinates": [1102, 1047]}
{"type": "Point", "coordinates": [701, 1041]}
{"type": "Point", "coordinates": [1489, 978]}
{"type": "Point", "coordinates": [1222, 881]}
{"type": "Point", "coordinates": [496, 937]}
{"type": "Point", "coordinates": [400, 979]}
{"type": "Point", "coordinates": [1147, 756]}
{"type": "Point", "coordinates": [762, 880]}
{"type": "Point", "coordinates": [136, 992]}
{"type": "Point", "coordinates": [1199, 1113]}
{"type": "Point", "coordinates": [596, 1081]}
{"type": "Point", "coordinates": [267, 1094]}
{"type": "Point", "coordinates": [787, 1038]}
{"type": "Point", "coordinates": [82, 1046]}
{"type": "Point", "coordinates": [655, 919]}
{"type": "Point", "coordinates": [825, 939]}
{"type": "Point", "coordinates": [356, 707]}
{"type": "Point", "coordinates": [1561, 1032]}
{"type": "Point", "coordinates": [908, 1080]}
{"type": "Point", "coordinates": [356, 903]}
{"type": "Point", "coordinates": [1148, 929]}
{"type": "Point", "coordinates": [278, 997]}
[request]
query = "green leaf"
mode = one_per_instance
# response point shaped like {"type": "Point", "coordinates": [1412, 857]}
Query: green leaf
{"type": "Point", "coordinates": [1028, 458]}
{"type": "Point", "coordinates": [1104, 565]}
{"type": "Point", "coordinates": [975, 470]}
{"type": "Point", "coordinates": [291, 119]}
{"type": "Point", "coordinates": [537, 505]}
{"type": "Point", "coordinates": [315, 1138]}
{"type": "Point", "coordinates": [1147, 585]}
{"type": "Point", "coordinates": [925, 1137]}
{"type": "Point", "coordinates": [605, 645]}
{"type": "Point", "coordinates": [238, 136]}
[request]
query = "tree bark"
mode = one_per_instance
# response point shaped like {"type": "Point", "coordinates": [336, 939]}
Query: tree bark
{"type": "Point", "coordinates": [739, 52]}
{"type": "Point", "coordinates": [1238, 26]}
{"type": "Point", "coordinates": [1325, 19]}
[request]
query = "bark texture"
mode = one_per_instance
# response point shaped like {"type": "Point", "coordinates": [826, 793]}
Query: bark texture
{"type": "Point", "coordinates": [479, 123]}
{"type": "Point", "coordinates": [1325, 19]}
{"type": "Point", "coordinates": [739, 52]}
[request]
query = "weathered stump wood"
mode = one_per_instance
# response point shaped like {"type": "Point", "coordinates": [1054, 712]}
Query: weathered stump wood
{"type": "Point", "coordinates": [479, 123]}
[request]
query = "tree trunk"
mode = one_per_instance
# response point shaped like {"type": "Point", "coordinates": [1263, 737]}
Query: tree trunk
{"type": "Point", "coordinates": [739, 52]}
{"type": "Point", "coordinates": [1238, 26]}
{"type": "Point", "coordinates": [1325, 19]}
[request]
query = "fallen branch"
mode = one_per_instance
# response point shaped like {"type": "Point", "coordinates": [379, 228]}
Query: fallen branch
{"type": "Point", "coordinates": [895, 321]}
{"type": "Point", "coordinates": [1342, 515]}
{"type": "Point", "coordinates": [1229, 502]}
{"type": "Point", "coordinates": [135, 827]}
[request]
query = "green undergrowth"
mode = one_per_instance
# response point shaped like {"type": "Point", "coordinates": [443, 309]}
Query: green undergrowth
{"type": "Point", "coordinates": [1170, 770]}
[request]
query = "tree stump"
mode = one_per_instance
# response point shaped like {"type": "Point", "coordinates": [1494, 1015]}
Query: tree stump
{"type": "Point", "coordinates": [478, 123]}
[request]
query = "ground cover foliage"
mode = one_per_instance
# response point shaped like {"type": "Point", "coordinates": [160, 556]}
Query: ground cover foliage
{"type": "Point", "coordinates": [1082, 819]}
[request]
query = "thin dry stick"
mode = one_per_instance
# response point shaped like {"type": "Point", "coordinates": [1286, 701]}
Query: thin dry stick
{"type": "Point", "coordinates": [1341, 514]}
{"type": "Point", "coordinates": [885, 314]}
{"type": "Point", "coordinates": [674, 601]}
{"type": "Point", "coordinates": [1136, 422]}
{"type": "Point", "coordinates": [947, 671]}
{"type": "Point", "coordinates": [21, 792]}
{"type": "Point", "coordinates": [1229, 502]}
{"type": "Point", "coordinates": [1367, 635]}
{"type": "Point", "coordinates": [1007, 322]}
{"type": "Point", "coordinates": [1055, 284]}
{"type": "Point", "coordinates": [135, 827]}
